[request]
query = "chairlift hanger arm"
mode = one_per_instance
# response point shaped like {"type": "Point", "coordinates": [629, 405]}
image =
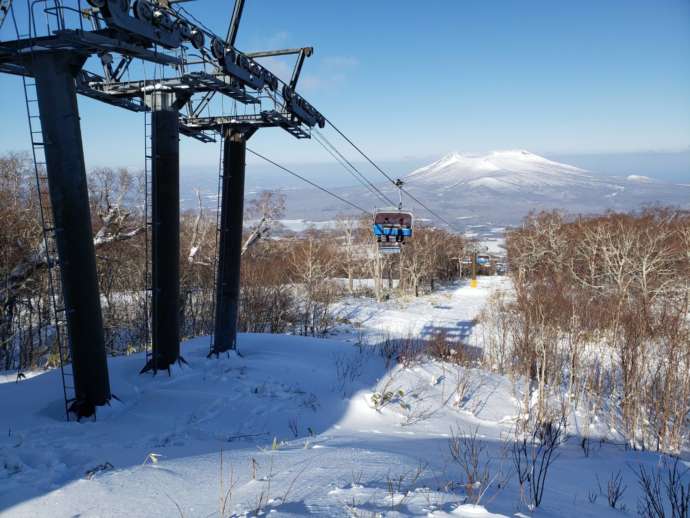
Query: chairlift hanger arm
{"type": "Point", "coordinates": [399, 184]}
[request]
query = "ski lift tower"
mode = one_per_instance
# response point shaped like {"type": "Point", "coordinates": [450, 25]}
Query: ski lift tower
{"type": "Point", "coordinates": [49, 50]}
{"type": "Point", "coordinates": [218, 69]}
{"type": "Point", "coordinates": [204, 65]}
{"type": "Point", "coordinates": [289, 111]}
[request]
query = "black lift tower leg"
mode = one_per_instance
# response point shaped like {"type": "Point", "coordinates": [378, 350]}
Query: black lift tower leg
{"type": "Point", "coordinates": [57, 100]}
{"type": "Point", "coordinates": [230, 241]}
{"type": "Point", "coordinates": [165, 234]}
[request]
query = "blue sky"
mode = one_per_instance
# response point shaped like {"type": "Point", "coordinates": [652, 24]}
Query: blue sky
{"type": "Point", "coordinates": [410, 80]}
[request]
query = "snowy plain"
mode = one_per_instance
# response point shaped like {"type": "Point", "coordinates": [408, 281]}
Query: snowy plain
{"type": "Point", "coordinates": [290, 428]}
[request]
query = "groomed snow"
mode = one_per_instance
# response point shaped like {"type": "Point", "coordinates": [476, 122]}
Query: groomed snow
{"type": "Point", "coordinates": [299, 433]}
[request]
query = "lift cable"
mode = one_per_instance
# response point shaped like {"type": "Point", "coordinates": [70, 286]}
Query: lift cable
{"type": "Point", "coordinates": [397, 183]}
{"type": "Point", "coordinates": [338, 157]}
{"type": "Point", "coordinates": [436, 215]}
{"type": "Point", "coordinates": [198, 22]}
{"type": "Point", "coordinates": [361, 152]}
{"type": "Point", "coordinates": [313, 184]}
{"type": "Point", "coordinates": [357, 175]}
{"type": "Point", "coordinates": [381, 194]}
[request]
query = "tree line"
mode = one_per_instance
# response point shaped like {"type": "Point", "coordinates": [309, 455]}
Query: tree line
{"type": "Point", "coordinates": [599, 322]}
{"type": "Point", "coordinates": [290, 280]}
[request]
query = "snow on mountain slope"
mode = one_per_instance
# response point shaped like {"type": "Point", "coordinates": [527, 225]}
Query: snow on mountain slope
{"type": "Point", "coordinates": [501, 187]}
{"type": "Point", "coordinates": [638, 178]}
{"type": "Point", "coordinates": [511, 170]}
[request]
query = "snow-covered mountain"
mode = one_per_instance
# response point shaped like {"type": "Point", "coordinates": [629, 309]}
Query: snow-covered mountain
{"type": "Point", "coordinates": [501, 187]}
{"type": "Point", "coordinates": [500, 170]}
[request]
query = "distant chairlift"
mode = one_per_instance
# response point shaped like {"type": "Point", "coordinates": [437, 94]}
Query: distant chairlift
{"type": "Point", "coordinates": [483, 260]}
{"type": "Point", "coordinates": [392, 227]}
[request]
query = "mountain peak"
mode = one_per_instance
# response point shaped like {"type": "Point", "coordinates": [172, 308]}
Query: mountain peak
{"type": "Point", "coordinates": [452, 158]}
{"type": "Point", "coordinates": [501, 169]}
{"type": "Point", "coordinates": [517, 153]}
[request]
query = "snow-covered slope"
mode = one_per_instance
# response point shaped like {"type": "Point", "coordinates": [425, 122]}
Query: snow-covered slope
{"type": "Point", "coordinates": [289, 429]}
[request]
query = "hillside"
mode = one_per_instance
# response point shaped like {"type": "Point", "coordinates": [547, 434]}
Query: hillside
{"type": "Point", "coordinates": [291, 428]}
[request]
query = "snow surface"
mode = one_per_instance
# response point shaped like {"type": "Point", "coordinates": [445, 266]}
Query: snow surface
{"type": "Point", "coordinates": [297, 427]}
{"type": "Point", "coordinates": [300, 225]}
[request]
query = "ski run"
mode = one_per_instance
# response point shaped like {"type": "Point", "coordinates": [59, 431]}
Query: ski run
{"type": "Point", "coordinates": [297, 426]}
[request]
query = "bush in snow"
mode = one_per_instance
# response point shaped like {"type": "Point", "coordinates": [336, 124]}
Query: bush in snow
{"type": "Point", "coordinates": [534, 451]}
{"type": "Point", "coordinates": [665, 490]}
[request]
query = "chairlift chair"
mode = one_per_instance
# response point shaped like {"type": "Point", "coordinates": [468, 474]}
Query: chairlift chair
{"type": "Point", "coordinates": [392, 227]}
{"type": "Point", "coordinates": [483, 260]}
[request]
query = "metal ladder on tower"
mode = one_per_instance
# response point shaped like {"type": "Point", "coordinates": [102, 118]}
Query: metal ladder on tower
{"type": "Point", "coordinates": [58, 310]}
{"type": "Point", "coordinates": [148, 249]}
{"type": "Point", "coordinates": [215, 256]}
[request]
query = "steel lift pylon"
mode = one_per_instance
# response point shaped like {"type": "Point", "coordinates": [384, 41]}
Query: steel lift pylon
{"type": "Point", "coordinates": [52, 57]}
{"type": "Point", "coordinates": [230, 227]}
{"type": "Point", "coordinates": [165, 231]}
{"type": "Point", "coordinates": [235, 134]}
{"type": "Point", "coordinates": [51, 66]}
{"type": "Point", "coordinates": [54, 75]}
{"type": "Point", "coordinates": [295, 116]}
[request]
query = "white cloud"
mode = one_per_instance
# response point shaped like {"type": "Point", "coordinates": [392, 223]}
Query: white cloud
{"type": "Point", "coordinates": [340, 61]}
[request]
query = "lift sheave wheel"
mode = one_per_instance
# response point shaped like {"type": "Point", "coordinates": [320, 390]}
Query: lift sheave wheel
{"type": "Point", "coordinates": [197, 38]}
{"type": "Point", "coordinates": [98, 4]}
{"type": "Point", "coordinates": [185, 29]}
{"type": "Point", "coordinates": [218, 49]}
{"type": "Point", "coordinates": [143, 10]}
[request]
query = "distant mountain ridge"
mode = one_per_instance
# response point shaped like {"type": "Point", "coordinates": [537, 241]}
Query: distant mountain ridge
{"type": "Point", "coordinates": [510, 169]}
{"type": "Point", "coordinates": [501, 187]}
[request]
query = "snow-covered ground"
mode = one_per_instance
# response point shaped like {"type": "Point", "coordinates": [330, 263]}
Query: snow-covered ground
{"type": "Point", "coordinates": [452, 310]}
{"type": "Point", "coordinates": [290, 428]}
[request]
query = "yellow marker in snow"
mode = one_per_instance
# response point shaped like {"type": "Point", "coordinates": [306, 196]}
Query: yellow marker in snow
{"type": "Point", "coordinates": [473, 282]}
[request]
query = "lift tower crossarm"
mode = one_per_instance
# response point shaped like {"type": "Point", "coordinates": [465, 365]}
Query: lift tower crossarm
{"type": "Point", "coordinates": [283, 52]}
{"type": "Point", "coordinates": [234, 23]}
{"type": "Point", "coordinates": [304, 53]}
